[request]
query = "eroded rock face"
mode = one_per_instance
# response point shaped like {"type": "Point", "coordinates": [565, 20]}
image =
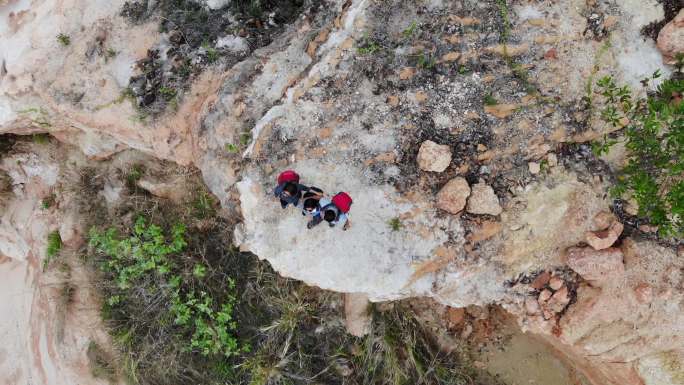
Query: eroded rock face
{"type": "Point", "coordinates": [44, 338]}
{"type": "Point", "coordinates": [346, 121]}
{"type": "Point", "coordinates": [596, 266]}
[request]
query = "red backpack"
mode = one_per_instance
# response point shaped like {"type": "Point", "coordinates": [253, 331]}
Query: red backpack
{"type": "Point", "coordinates": [288, 176]}
{"type": "Point", "coordinates": [343, 201]}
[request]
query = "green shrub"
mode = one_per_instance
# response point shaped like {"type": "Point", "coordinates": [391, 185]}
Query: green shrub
{"type": "Point", "coordinates": [490, 100]}
{"type": "Point", "coordinates": [368, 46]}
{"type": "Point", "coordinates": [395, 224]}
{"type": "Point", "coordinates": [63, 39]}
{"type": "Point", "coordinates": [652, 128]}
{"type": "Point", "coordinates": [410, 31]}
{"type": "Point", "coordinates": [204, 205]}
{"type": "Point", "coordinates": [144, 260]}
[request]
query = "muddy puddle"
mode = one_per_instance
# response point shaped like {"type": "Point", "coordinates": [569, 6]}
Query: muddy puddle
{"type": "Point", "coordinates": [521, 359]}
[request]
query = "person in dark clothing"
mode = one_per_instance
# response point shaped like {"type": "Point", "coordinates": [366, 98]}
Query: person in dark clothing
{"type": "Point", "coordinates": [289, 193]}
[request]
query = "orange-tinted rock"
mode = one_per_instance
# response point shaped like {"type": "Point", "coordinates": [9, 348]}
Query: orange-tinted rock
{"type": "Point", "coordinates": [455, 316]}
{"type": "Point", "coordinates": [671, 38]}
{"type": "Point", "coordinates": [600, 240]}
{"type": "Point", "coordinates": [541, 280]}
{"type": "Point", "coordinates": [596, 265]}
{"type": "Point", "coordinates": [643, 293]}
{"type": "Point", "coordinates": [453, 196]}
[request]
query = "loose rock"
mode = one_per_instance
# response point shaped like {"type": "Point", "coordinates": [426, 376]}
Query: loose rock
{"type": "Point", "coordinates": [559, 300]}
{"type": "Point", "coordinates": [544, 296]}
{"type": "Point", "coordinates": [671, 38]}
{"type": "Point", "coordinates": [455, 316]}
{"type": "Point", "coordinates": [534, 167]}
{"type": "Point", "coordinates": [541, 280]}
{"type": "Point", "coordinates": [556, 283]}
{"type": "Point", "coordinates": [434, 157]}
{"type": "Point", "coordinates": [483, 200]}
{"type": "Point", "coordinates": [603, 220]}
{"type": "Point", "coordinates": [453, 196]}
{"type": "Point", "coordinates": [600, 240]}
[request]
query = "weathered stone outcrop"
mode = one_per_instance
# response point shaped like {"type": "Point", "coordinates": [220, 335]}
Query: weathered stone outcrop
{"type": "Point", "coordinates": [350, 121]}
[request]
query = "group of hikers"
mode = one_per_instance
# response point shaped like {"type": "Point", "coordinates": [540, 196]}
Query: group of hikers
{"type": "Point", "coordinates": [313, 201]}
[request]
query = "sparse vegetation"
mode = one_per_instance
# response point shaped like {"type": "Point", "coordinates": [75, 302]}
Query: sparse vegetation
{"type": "Point", "coordinates": [101, 365]}
{"type": "Point", "coordinates": [133, 175]}
{"type": "Point", "coordinates": [490, 100]}
{"type": "Point", "coordinates": [652, 128]}
{"type": "Point", "coordinates": [426, 61]}
{"type": "Point", "coordinates": [48, 201]}
{"type": "Point", "coordinates": [63, 39]}
{"type": "Point", "coordinates": [54, 245]}
{"type": "Point", "coordinates": [211, 53]}
{"type": "Point", "coordinates": [410, 31]}
{"type": "Point", "coordinates": [395, 224]}
{"type": "Point", "coordinates": [518, 70]}
{"type": "Point", "coordinates": [231, 148]}
{"type": "Point", "coordinates": [368, 46]}
{"type": "Point", "coordinates": [204, 205]}
{"type": "Point", "coordinates": [40, 138]}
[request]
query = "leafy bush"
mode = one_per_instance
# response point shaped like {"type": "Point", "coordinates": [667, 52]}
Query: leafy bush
{"type": "Point", "coordinates": [654, 137]}
{"type": "Point", "coordinates": [147, 266]}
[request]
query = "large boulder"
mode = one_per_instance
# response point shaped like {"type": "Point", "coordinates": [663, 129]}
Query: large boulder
{"type": "Point", "coordinates": [671, 38]}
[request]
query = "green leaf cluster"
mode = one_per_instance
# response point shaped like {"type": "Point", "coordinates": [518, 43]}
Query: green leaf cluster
{"type": "Point", "coordinates": [147, 255]}
{"type": "Point", "coordinates": [654, 139]}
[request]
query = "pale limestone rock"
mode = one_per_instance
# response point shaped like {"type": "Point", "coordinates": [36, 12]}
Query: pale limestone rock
{"type": "Point", "coordinates": [434, 157]}
{"type": "Point", "coordinates": [534, 168]}
{"type": "Point", "coordinates": [483, 200]}
{"type": "Point", "coordinates": [453, 196]}
{"type": "Point", "coordinates": [175, 189]}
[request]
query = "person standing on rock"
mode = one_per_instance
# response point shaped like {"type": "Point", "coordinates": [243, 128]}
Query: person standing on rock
{"type": "Point", "coordinates": [335, 211]}
{"type": "Point", "coordinates": [289, 191]}
{"type": "Point", "coordinates": [311, 201]}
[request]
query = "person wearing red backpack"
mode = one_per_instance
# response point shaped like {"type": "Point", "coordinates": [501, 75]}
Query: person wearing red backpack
{"type": "Point", "coordinates": [334, 211]}
{"type": "Point", "coordinates": [289, 191]}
